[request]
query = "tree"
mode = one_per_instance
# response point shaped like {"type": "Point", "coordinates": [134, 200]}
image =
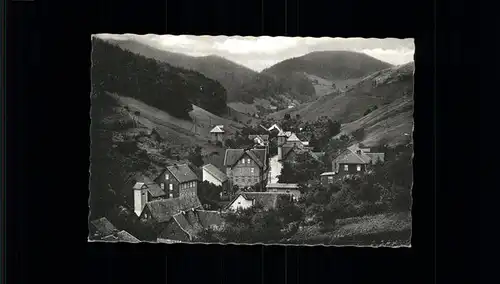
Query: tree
{"type": "Point", "coordinates": [195, 157]}
{"type": "Point", "coordinates": [314, 143]}
{"type": "Point", "coordinates": [359, 134]}
{"type": "Point", "coordinates": [287, 116]}
{"type": "Point", "coordinates": [333, 127]}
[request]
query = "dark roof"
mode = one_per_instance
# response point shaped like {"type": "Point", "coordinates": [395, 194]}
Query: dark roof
{"type": "Point", "coordinates": [188, 221]}
{"type": "Point", "coordinates": [121, 236]}
{"type": "Point", "coordinates": [268, 200]}
{"type": "Point", "coordinates": [232, 156]}
{"type": "Point", "coordinates": [209, 218]}
{"type": "Point", "coordinates": [103, 226]}
{"type": "Point", "coordinates": [194, 221]}
{"type": "Point", "coordinates": [182, 173]}
{"type": "Point", "coordinates": [153, 188]}
{"type": "Point", "coordinates": [215, 172]}
{"type": "Point", "coordinates": [163, 209]}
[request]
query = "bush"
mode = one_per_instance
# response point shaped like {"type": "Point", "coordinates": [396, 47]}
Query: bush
{"type": "Point", "coordinates": [402, 199]}
{"type": "Point", "coordinates": [359, 134]}
{"type": "Point", "coordinates": [218, 144]}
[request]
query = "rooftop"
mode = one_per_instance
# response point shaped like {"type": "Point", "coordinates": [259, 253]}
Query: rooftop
{"type": "Point", "coordinates": [162, 210]}
{"type": "Point", "coordinates": [217, 129]}
{"type": "Point", "coordinates": [215, 172]}
{"type": "Point", "coordinates": [232, 156]}
{"type": "Point", "coordinates": [103, 226]}
{"type": "Point", "coordinates": [182, 173]}
{"type": "Point", "coordinates": [121, 236]}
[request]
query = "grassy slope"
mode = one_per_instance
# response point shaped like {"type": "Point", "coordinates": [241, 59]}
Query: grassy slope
{"type": "Point", "coordinates": [388, 123]}
{"type": "Point", "coordinates": [380, 88]}
{"type": "Point", "coordinates": [354, 229]}
{"type": "Point", "coordinates": [330, 65]}
{"type": "Point", "coordinates": [181, 132]}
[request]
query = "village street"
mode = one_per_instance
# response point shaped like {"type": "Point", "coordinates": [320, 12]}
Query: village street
{"type": "Point", "coordinates": [275, 170]}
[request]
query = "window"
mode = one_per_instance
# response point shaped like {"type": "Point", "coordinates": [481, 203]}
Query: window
{"type": "Point", "coordinates": [358, 168]}
{"type": "Point", "coordinates": [171, 187]}
{"type": "Point", "coordinates": [252, 170]}
{"type": "Point", "coordinates": [248, 161]}
{"type": "Point", "coordinates": [171, 195]}
{"type": "Point", "coordinates": [346, 167]}
{"type": "Point", "coordinates": [243, 161]}
{"type": "Point", "coordinates": [162, 185]}
{"type": "Point", "coordinates": [167, 176]}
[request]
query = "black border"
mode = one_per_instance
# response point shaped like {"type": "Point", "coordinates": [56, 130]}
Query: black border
{"type": "Point", "coordinates": [48, 103]}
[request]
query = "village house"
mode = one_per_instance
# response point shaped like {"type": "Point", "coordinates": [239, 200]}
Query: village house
{"type": "Point", "coordinates": [185, 226]}
{"type": "Point", "coordinates": [355, 160]}
{"type": "Point", "coordinates": [175, 181]}
{"type": "Point", "coordinates": [178, 181]}
{"type": "Point", "coordinates": [246, 167]}
{"type": "Point", "coordinates": [285, 188]}
{"type": "Point", "coordinates": [217, 133]}
{"type": "Point", "coordinates": [102, 229]}
{"type": "Point", "coordinates": [289, 145]}
{"type": "Point", "coordinates": [327, 178]}
{"type": "Point", "coordinates": [215, 176]}
{"type": "Point", "coordinates": [145, 190]}
{"type": "Point", "coordinates": [245, 200]}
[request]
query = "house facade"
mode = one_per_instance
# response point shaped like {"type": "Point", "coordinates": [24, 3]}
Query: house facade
{"type": "Point", "coordinates": [178, 181]}
{"type": "Point", "coordinates": [267, 200]}
{"type": "Point", "coordinates": [327, 178]}
{"type": "Point", "coordinates": [246, 168]}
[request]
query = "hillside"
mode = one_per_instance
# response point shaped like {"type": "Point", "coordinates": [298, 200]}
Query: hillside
{"type": "Point", "coordinates": [330, 65]}
{"type": "Point", "coordinates": [228, 73]}
{"type": "Point", "coordinates": [392, 124]}
{"type": "Point", "coordinates": [156, 83]}
{"type": "Point", "coordinates": [325, 71]}
{"type": "Point", "coordinates": [183, 133]}
{"type": "Point", "coordinates": [378, 89]}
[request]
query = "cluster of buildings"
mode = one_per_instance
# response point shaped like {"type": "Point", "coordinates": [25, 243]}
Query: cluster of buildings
{"type": "Point", "coordinates": [169, 202]}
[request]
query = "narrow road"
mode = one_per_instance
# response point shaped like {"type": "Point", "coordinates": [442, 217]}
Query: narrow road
{"type": "Point", "coordinates": [275, 169]}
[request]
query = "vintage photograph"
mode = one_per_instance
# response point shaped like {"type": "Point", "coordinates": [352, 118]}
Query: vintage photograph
{"type": "Point", "coordinates": [251, 140]}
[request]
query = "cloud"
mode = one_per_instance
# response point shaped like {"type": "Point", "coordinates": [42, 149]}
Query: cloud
{"type": "Point", "coordinates": [393, 56]}
{"type": "Point", "coordinates": [258, 53]}
{"type": "Point", "coordinates": [260, 45]}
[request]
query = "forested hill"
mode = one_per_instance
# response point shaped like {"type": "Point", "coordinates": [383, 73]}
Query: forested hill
{"type": "Point", "coordinates": [158, 84]}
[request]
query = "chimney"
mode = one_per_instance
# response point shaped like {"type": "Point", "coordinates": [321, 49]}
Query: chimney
{"type": "Point", "coordinates": [358, 152]}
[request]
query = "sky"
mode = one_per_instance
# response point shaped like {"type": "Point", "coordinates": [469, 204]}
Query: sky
{"type": "Point", "coordinates": [258, 53]}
